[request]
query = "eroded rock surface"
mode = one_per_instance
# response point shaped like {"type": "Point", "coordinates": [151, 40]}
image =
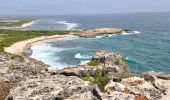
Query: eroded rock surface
{"type": "Point", "coordinates": [56, 87]}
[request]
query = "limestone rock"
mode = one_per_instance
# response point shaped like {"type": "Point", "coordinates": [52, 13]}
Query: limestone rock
{"type": "Point", "coordinates": [139, 86]}
{"type": "Point", "coordinates": [98, 32]}
{"type": "Point", "coordinates": [80, 71]}
{"type": "Point", "coordinates": [115, 64]}
{"type": "Point", "coordinates": [56, 87]}
{"type": "Point", "coordinates": [119, 96]}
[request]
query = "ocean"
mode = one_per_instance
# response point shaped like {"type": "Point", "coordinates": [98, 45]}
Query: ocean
{"type": "Point", "coordinates": [147, 49]}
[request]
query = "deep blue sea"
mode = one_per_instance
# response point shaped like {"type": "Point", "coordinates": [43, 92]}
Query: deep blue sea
{"type": "Point", "coordinates": [147, 49]}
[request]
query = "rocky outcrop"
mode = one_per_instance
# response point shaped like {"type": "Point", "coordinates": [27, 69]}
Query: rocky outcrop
{"type": "Point", "coordinates": [102, 31]}
{"type": "Point", "coordinates": [33, 80]}
{"type": "Point", "coordinates": [56, 87]}
{"type": "Point", "coordinates": [13, 68]}
{"type": "Point", "coordinates": [115, 64]}
{"type": "Point", "coordinates": [80, 71]}
{"type": "Point", "coordinates": [136, 87]}
{"type": "Point", "coordinates": [110, 64]}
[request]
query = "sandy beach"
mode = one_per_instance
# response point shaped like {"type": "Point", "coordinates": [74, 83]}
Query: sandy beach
{"type": "Point", "coordinates": [20, 47]}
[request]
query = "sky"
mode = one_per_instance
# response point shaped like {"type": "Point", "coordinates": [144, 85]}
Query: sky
{"type": "Point", "coordinates": [62, 7]}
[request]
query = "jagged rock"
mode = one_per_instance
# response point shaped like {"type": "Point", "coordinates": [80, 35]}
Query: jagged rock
{"type": "Point", "coordinates": [114, 86]}
{"type": "Point", "coordinates": [115, 64]}
{"type": "Point", "coordinates": [119, 96]}
{"type": "Point", "coordinates": [139, 86]}
{"type": "Point", "coordinates": [80, 71]}
{"type": "Point", "coordinates": [159, 75]}
{"type": "Point", "coordinates": [111, 65]}
{"type": "Point", "coordinates": [15, 69]}
{"type": "Point", "coordinates": [56, 87]}
{"type": "Point", "coordinates": [98, 32]}
{"type": "Point", "coordinates": [119, 87]}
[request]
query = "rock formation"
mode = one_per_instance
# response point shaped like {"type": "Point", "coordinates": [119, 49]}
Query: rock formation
{"type": "Point", "coordinates": [56, 87]}
{"type": "Point", "coordinates": [34, 80]}
{"type": "Point", "coordinates": [102, 31]}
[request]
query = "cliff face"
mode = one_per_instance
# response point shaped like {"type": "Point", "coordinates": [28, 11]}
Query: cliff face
{"type": "Point", "coordinates": [107, 72]}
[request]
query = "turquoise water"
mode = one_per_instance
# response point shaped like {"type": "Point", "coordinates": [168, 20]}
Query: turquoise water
{"type": "Point", "coordinates": [144, 51]}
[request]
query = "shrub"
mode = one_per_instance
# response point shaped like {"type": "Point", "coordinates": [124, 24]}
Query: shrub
{"type": "Point", "coordinates": [87, 78]}
{"type": "Point", "coordinates": [101, 81]}
{"type": "Point", "coordinates": [93, 63]}
{"type": "Point", "coordinates": [117, 62]}
{"type": "Point", "coordinates": [17, 57]}
{"type": "Point", "coordinates": [12, 67]}
{"type": "Point", "coordinates": [98, 79]}
{"type": "Point", "coordinates": [149, 78]}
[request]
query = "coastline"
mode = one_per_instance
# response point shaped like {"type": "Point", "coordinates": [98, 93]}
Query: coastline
{"type": "Point", "coordinates": [27, 24]}
{"type": "Point", "coordinates": [19, 48]}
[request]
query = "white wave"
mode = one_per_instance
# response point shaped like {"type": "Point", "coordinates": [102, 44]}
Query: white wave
{"type": "Point", "coordinates": [27, 24]}
{"type": "Point", "coordinates": [137, 32]}
{"type": "Point", "coordinates": [79, 56]}
{"type": "Point", "coordinates": [46, 53]}
{"type": "Point", "coordinates": [129, 33]}
{"type": "Point", "coordinates": [69, 26]}
{"type": "Point", "coordinates": [98, 37]}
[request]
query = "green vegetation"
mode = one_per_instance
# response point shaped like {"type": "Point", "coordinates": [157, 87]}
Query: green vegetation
{"type": "Point", "coordinates": [117, 62]}
{"type": "Point", "coordinates": [8, 37]}
{"type": "Point", "coordinates": [12, 67]}
{"type": "Point", "coordinates": [93, 63]}
{"type": "Point", "coordinates": [149, 78]}
{"type": "Point", "coordinates": [98, 79]}
{"type": "Point", "coordinates": [17, 57]}
{"type": "Point", "coordinates": [13, 24]}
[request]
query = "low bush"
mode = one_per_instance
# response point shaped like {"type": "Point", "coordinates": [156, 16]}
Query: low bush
{"type": "Point", "coordinates": [93, 63]}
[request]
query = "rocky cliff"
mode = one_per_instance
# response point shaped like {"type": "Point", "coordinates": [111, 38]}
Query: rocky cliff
{"type": "Point", "coordinates": [106, 77]}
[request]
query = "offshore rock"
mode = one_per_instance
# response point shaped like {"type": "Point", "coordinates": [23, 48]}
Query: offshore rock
{"type": "Point", "coordinates": [99, 32]}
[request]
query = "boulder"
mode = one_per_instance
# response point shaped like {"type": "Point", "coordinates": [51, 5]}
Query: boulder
{"type": "Point", "coordinates": [56, 87]}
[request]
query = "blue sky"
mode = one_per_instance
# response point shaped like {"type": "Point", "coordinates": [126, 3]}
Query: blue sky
{"type": "Point", "coordinates": [60, 7]}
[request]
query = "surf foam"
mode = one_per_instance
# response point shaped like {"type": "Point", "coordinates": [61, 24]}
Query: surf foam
{"type": "Point", "coordinates": [129, 33]}
{"type": "Point", "coordinates": [80, 56]}
{"type": "Point", "coordinates": [69, 26]}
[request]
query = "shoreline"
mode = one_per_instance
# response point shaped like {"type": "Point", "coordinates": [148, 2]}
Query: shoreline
{"type": "Point", "coordinates": [23, 46]}
{"type": "Point", "coordinates": [27, 24]}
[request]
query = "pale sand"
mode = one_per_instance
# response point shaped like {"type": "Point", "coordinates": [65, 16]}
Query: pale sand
{"type": "Point", "coordinates": [27, 24]}
{"type": "Point", "coordinates": [20, 47]}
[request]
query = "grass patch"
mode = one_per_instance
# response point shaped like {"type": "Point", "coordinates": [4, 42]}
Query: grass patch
{"type": "Point", "coordinates": [12, 36]}
{"type": "Point", "coordinates": [12, 67]}
{"type": "Point", "coordinates": [13, 24]}
{"type": "Point", "coordinates": [93, 63]}
{"type": "Point", "coordinates": [13, 56]}
{"type": "Point", "coordinates": [117, 62]}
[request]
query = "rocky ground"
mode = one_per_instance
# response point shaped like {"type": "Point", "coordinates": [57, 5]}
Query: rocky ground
{"type": "Point", "coordinates": [106, 77]}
